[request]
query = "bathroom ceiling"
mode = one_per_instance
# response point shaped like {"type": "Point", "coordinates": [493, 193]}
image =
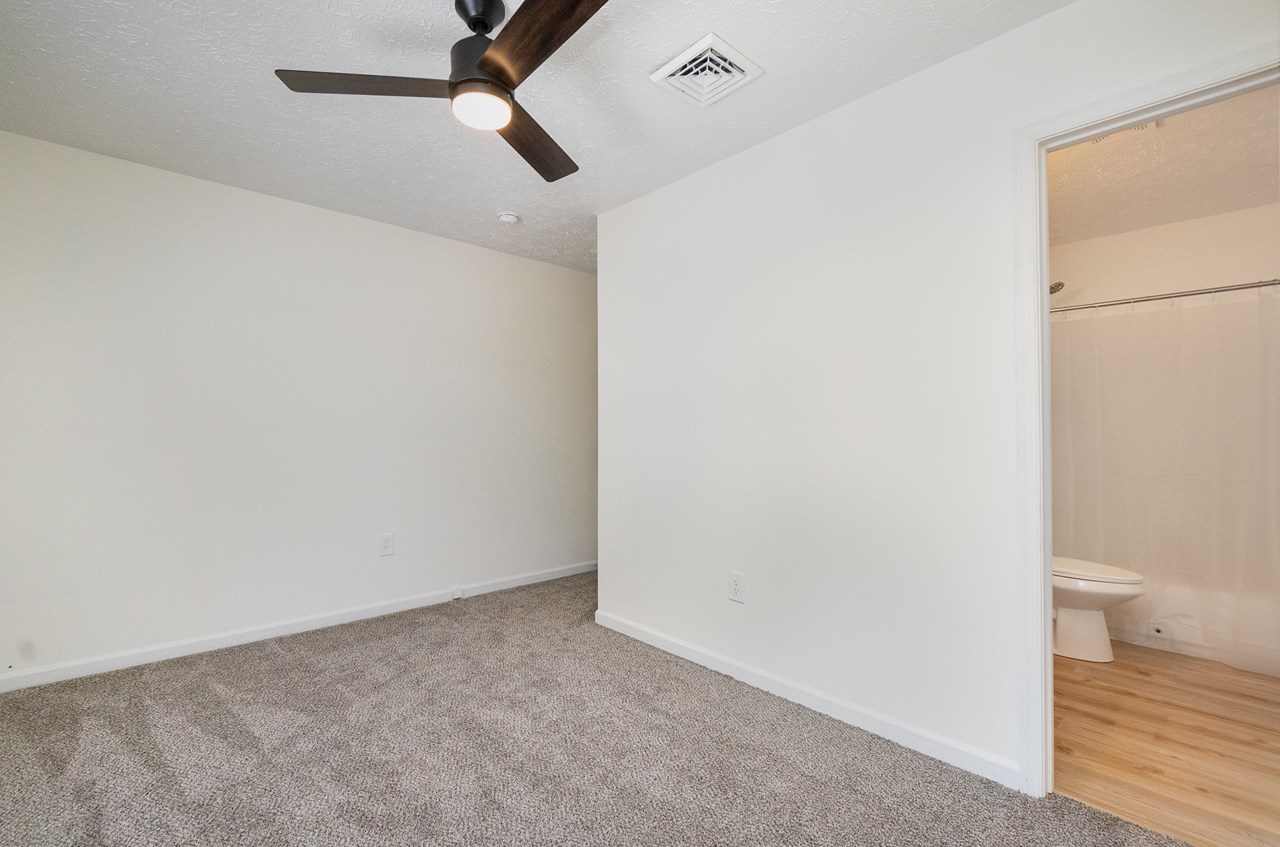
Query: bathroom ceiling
{"type": "Point", "coordinates": [187, 85]}
{"type": "Point", "coordinates": [1213, 159]}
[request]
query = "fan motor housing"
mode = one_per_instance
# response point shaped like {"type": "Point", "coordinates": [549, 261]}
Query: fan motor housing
{"type": "Point", "coordinates": [464, 58]}
{"type": "Point", "coordinates": [481, 16]}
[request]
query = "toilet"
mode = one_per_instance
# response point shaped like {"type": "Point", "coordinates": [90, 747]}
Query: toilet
{"type": "Point", "coordinates": [1081, 590]}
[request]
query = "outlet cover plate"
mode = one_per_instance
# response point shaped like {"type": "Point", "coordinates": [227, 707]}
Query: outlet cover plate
{"type": "Point", "coordinates": [737, 587]}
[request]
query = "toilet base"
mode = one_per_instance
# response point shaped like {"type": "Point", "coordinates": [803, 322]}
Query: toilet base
{"type": "Point", "coordinates": [1082, 634]}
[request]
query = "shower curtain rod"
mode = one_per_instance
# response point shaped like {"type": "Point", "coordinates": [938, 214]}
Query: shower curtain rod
{"type": "Point", "coordinates": [1151, 297]}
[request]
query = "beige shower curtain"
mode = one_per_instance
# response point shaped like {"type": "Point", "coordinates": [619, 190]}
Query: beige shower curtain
{"type": "Point", "coordinates": [1166, 461]}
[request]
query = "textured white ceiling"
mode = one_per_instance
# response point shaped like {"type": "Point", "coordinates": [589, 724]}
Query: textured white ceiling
{"type": "Point", "coordinates": [187, 85]}
{"type": "Point", "coordinates": [1213, 159]}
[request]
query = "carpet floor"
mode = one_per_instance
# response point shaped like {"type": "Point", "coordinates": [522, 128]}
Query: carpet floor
{"type": "Point", "coordinates": [505, 719]}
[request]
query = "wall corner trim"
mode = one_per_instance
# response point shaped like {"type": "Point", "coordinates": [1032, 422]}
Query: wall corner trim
{"type": "Point", "coordinates": [45, 674]}
{"type": "Point", "coordinates": [950, 751]}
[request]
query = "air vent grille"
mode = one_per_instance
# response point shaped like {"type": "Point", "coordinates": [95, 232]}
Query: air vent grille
{"type": "Point", "coordinates": [707, 71]}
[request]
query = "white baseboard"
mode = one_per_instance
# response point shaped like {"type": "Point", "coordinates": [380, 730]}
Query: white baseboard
{"type": "Point", "coordinates": [45, 674]}
{"type": "Point", "coordinates": [1245, 655]}
{"type": "Point", "coordinates": [1003, 771]}
{"type": "Point", "coordinates": [523, 579]}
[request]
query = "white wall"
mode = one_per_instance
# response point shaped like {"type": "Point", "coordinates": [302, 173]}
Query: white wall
{"type": "Point", "coordinates": [1227, 249]}
{"type": "Point", "coordinates": [813, 382]}
{"type": "Point", "coordinates": [212, 401]}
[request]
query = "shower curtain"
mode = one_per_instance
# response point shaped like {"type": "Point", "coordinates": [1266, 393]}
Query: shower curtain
{"type": "Point", "coordinates": [1166, 461]}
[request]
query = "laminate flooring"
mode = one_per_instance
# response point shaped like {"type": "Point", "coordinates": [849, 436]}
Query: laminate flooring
{"type": "Point", "coordinates": [1181, 745]}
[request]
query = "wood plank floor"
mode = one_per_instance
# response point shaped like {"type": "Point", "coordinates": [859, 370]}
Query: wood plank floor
{"type": "Point", "coordinates": [1181, 745]}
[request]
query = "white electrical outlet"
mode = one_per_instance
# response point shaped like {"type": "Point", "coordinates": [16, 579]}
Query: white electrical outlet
{"type": "Point", "coordinates": [737, 587]}
{"type": "Point", "coordinates": [386, 545]}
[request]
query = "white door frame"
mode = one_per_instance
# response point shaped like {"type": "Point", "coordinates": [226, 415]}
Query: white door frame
{"type": "Point", "coordinates": [1215, 82]}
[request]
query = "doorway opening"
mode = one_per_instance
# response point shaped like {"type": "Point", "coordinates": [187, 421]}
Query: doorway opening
{"type": "Point", "coordinates": [1160, 319]}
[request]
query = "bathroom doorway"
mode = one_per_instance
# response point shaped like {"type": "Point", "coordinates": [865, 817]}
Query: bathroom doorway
{"type": "Point", "coordinates": [1164, 395]}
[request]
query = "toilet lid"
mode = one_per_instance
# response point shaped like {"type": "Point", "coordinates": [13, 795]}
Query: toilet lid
{"type": "Point", "coordinates": [1094, 571]}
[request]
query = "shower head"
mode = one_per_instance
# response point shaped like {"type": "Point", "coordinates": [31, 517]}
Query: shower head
{"type": "Point", "coordinates": [1056, 287]}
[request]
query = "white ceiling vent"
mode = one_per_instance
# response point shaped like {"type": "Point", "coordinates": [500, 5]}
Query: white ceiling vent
{"type": "Point", "coordinates": [707, 71]}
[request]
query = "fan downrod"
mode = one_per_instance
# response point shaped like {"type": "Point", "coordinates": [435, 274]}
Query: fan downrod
{"type": "Point", "coordinates": [481, 16]}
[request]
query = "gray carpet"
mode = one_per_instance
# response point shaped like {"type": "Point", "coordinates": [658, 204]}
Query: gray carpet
{"type": "Point", "coordinates": [506, 719]}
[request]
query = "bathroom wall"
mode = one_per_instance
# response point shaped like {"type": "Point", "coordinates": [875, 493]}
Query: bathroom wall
{"type": "Point", "coordinates": [1226, 249]}
{"type": "Point", "coordinates": [1164, 454]}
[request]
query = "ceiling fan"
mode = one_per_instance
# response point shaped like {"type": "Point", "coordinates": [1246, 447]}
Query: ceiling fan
{"type": "Point", "coordinates": [484, 74]}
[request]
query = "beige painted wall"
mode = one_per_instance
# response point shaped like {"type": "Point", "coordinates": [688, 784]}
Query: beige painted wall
{"type": "Point", "coordinates": [1228, 249]}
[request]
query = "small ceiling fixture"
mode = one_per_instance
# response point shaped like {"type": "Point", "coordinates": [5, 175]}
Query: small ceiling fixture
{"type": "Point", "coordinates": [509, 218]}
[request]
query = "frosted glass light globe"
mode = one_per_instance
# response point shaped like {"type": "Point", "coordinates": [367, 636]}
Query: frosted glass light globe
{"type": "Point", "coordinates": [481, 110]}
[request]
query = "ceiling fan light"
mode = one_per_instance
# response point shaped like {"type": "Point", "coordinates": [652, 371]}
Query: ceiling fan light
{"type": "Point", "coordinates": [481, 106]}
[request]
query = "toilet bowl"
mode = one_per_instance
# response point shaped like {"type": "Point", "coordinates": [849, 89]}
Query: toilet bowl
{"type": "Point", "coordinates": [1081, 590]}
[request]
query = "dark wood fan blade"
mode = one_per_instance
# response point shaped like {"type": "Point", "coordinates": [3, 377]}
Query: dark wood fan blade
{"type": "Point", "coordinates": [319, 82]}
{"type": "Point", "coordinates": [535, 31]}
{"type": "Point", "coordinates": [537, 148]}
